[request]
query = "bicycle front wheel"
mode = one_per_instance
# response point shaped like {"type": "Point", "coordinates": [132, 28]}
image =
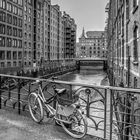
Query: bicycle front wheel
{"type": "Point", "coordinates": [35, 107]}
{"type": "Point", "coordinates": [78, 125]}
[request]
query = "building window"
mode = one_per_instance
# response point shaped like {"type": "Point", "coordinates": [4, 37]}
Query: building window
{"type": "Point", "coordinates": [39, 6]}
{"type": "Point", "coordinates": [20, 43]}
{"type": "Point", "coordinates": [14, 43]}
{"type": "Point", "coordinates": [9, 18]}
{"type": "Point", "coordinates": [29, 1]}
{"type": "Point", "coordinates": [25, 17]}
{"type": "Point", "coordinates": [8, 64]}
{"type": "Point", "coordinates": [29, 19]}
{"type": "Point", "coordinates": [2, 55]}
{"type": "Point", "coordinates": [9, 42]}
{"type": "Point", "coordinates": [25, 8]}
{"type": "Point", "coordinates": [19, 55]}
{"type": "Point", "coordinates": [2, 16]}
{"type": "Point", "coordinates": [30, 28]}
{"type": "Point", "coordinates": [25, 35]}
{"type": "Point", "coordinates": [8, 55]}
{"type": "Point", "coordinates": [15, 1]}
{"type": "Point", "coordinates": [135, 82]}
{"type": "Point", "coordinates": [14, 20]}
{"type": "Point", "coordinates": [2, 64]}
{"type": "Point", "coordinates": [2, 29]}
{"type": "Point", "coordinates": [25, 54]}
{"type": "Point", "coordinates": [14, 55]}
{"type": "Point", "coordinates": [20, 64]}
{"type": "Point", "coordinates": [0, 3]}
{"type": "Point", "coordinates": [127, 9]}
{"type": "Point", "coordinates": [20, 22]}
{"type": "Point", "coordinates": [29, 55]}
{"type": "Point", "coordinates": [20, 2]}
{"type": "Point", "coordinates": [25, 45]}
{"type": "Point", "coordinates": [20, 12]}
{"type": "Point", "coordinates": [14, 31]}
{"type": "Point", "coordinates": [14, 63]}
{"type": "Point", "coordinates": [2, 41]}
{"type": "Point", "coordinates": [3, 4]}
{"type": "Point", "coordinates": [9, 7]}
{"type": "Point", "coordinates": [29, 10]}
{"type": "Point", "coordinates": [135, 42]}
{"type": "Point", "coordinates": [9, 30]}
{"type": "Point", "coordinates": [29, 45]}
{"type": "Point", "coordinates": [15, 10]}
{"type": "Point", "coordinates": [19, 33]}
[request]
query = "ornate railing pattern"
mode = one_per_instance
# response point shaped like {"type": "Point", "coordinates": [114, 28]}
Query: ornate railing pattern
{"type": "Point", "coordinates": [113, 113]}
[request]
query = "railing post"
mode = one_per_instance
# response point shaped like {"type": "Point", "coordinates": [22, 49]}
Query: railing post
{"type": "Point", "coordinates": [88, 105]}
{"type": "Point", "coordinates": [71, 92]}
{"type": "Point", "coordinates": [127, 117]}
{"type": "Point", "coordinates": [29, 91]}
{"type": "Point", "coordinates": [54, 103]}
{"type": "Point", "coordinates": [111, 113]}
{"type": "Point", "coordinates": [0, 92]}
{"type": "Point", "coordinates": [105, 113]}
{"type": "Point", "coordinates": [19, 86]}
{"type": "Point", "coordinates": [9, 90]}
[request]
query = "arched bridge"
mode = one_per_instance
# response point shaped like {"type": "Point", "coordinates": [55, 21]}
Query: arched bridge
{"type": "Point", "coordinates": [91, 63]}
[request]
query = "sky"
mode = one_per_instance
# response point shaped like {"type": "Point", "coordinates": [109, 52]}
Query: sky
{"type": "Point", "coordinates": [89, 14]}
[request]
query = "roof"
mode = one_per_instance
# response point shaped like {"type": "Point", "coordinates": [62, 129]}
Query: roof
{"type": "Point", "coordinates": [94, 34]}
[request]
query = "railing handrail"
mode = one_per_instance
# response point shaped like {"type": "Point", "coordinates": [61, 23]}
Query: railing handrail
{"type": "Point", "coordinates": [77, 84]}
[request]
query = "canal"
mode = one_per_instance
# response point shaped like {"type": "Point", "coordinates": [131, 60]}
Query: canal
{"type": "Point", "coordinates": [85, 76]}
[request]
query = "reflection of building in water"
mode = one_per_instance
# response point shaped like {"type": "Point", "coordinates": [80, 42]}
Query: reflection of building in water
{"type": "Point", "coordinates": [94, 45]}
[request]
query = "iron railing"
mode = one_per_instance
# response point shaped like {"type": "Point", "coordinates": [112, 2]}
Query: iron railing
{"type": "Point", "coordinates": [113, 113]}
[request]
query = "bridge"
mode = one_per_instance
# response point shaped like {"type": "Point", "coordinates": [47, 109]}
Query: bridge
{"type": "Point", "coordinates": [91, 63]}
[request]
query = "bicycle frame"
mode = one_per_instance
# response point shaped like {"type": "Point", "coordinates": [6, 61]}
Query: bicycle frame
{"type": "Point", "coordinates": [50, 108]}
{"type": "Point", "coordinates": [46, 102]}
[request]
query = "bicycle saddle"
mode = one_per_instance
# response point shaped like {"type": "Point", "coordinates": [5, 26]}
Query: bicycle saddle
{"type": "Point", "coordinates": [60, 91]}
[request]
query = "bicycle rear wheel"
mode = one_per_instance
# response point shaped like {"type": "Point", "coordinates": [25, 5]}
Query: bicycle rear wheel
{"type": "Point", "coordinates": [78, 126]}
{"type": "Point", "coordinates": [35, 107]}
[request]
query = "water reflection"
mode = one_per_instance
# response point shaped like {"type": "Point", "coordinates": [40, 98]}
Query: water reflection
{"type": "Point", "coordinates": [85, 76]}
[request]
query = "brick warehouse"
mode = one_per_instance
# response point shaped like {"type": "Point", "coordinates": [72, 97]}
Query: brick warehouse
{"type": "Point", "coordinates": [123, 42]}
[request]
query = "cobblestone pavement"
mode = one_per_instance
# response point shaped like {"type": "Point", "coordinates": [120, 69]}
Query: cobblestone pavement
{"type": "Point", "coordinates": [20, 127]}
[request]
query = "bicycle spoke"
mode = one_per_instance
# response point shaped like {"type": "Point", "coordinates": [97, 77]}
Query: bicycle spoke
{"type": "Point", "coordinates": [78, 126]}
{"type": "Point", "coordinates": [35, 107]}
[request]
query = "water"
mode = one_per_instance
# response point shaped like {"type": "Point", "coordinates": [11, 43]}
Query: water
{"type": "Point", "coordinates": [85, 76]}
{"type": "Point", "coordinates": [90, 77]}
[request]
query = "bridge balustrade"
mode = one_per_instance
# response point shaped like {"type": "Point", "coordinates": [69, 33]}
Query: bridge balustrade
{"type": "Point", "coordinates": [113, 113]}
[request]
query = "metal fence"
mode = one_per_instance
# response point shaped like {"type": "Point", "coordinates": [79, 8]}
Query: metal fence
{"type": "Point", "coordinates": [113, 113]}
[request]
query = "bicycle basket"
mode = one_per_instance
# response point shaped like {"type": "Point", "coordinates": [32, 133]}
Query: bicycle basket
{"type": "Point", "coordinates": [65, 99]}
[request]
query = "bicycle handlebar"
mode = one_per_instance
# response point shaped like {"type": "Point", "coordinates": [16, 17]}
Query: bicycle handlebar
{"type": "Point", "coordinates": [54, 78]}
{"type": "Point", "coordinates": [36, 82]}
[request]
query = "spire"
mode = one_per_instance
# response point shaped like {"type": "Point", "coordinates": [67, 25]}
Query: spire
{"type": "Point", "coordinates": [83, 33]}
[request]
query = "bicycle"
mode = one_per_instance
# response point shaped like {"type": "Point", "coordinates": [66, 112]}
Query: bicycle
{"type": "Point", "coordinates": [67, 114]}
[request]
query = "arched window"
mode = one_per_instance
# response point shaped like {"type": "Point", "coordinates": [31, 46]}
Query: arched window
{"type": "Point", "coordinates": [135, 41]}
